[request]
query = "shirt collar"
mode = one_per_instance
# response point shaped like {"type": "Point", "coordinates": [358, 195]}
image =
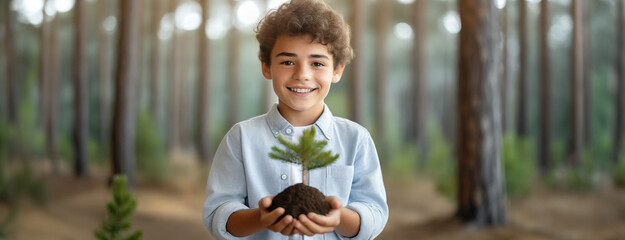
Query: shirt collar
{"type": "Point", "coordinates": [279, 125]}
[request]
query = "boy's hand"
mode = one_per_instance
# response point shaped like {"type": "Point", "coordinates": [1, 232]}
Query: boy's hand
{"type": "Point", "coordinates": [313, 223]}
{"type": "Point", "coordinates": [268, 219]}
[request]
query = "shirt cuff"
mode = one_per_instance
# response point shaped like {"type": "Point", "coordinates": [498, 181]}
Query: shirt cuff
{"type": "Point", "coordinates": [221, 218]}
{"type": "Point", "coordinates": [367, 221]}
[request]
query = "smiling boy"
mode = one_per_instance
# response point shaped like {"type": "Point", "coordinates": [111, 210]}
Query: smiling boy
{"type": "Point", "coordinates": [304, 47]}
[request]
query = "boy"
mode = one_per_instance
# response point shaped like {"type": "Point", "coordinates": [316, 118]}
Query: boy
{"type": "Point", "coordinates": [304, 47]}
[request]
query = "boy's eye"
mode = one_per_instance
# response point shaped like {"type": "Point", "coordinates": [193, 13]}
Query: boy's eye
{"type": "Point", "coordinates": [318, 64]}
{"type": "Point", "coordinates": [287, 63]}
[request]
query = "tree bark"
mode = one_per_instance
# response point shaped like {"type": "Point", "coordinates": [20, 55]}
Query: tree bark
{"type": "Point", "coordinates": [522, 130]}
{"type": "Point", "coordinates": [419, 78]}
{"type": "Point", "coordinates": [81, 97]}
{"type": "Point", "coordinates": [545, 91]}
{"type": "Point", "coordinates": [383, 20]}
{"type": "Point", "coordinates": [504, 69]}
{"type": "Point", "coordinates": [173, 118]}
{"type": "Point", "coordinates": [157, 77]}
{"type": "Point", "coordinates": [9, 49]}
{"type": "Point", "coordinates": [124, 122]}
{"type": "Point", "coordinates": [482, 194]}
{"type": "Point", "coordinates": [104, 75]}
{"type": "Point", "coordinates": [619, 100]}
{"type": "Point", "coordinates": [577, 82]}
{"type": "Point", "coordinates": [587, 46]}
{"type": "Point", "coordinates": [355, 89]}
{"type": "Point", "coordinates": [233, 68]}
{"type": "Point", "coordinates": [204, 82]}
{"type": "Point", "coordinates": [49, 70]}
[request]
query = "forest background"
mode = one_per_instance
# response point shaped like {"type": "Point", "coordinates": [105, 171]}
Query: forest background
{"type": "Point", "coordinates": [148, 88]}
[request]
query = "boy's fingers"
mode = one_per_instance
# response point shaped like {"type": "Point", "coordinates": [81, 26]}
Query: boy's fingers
{"type": "Point", "coordinates": [280, 225]}
{"type": "Point", "coordinates": [288, 230]}
{"type": "Point", "coordinates": [334, 202]}
{"type": "Point", "coordinates": [269, 218]}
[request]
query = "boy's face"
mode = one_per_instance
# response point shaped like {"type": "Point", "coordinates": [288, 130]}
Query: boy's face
{"type": "Point", "coordinates": [302, 72]}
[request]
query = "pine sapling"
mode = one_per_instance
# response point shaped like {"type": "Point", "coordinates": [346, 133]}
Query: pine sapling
{"type": "Point", "coordinates": [119, 211]}
{"type": "Point", "coordinates": [308, 153]}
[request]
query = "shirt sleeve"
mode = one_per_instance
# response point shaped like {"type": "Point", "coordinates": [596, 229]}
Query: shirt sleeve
{"type": "Point", "coordinates": [225, 189]}
{"type": "Point", "coordinates": [368, 195]}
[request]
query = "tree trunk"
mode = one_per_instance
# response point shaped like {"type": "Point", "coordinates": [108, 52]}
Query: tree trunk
{"type": "Point", "coordinates": [482, 195]}
{"type": "Point", "coordinates": [155, 101]}
{"type": "Point", "coordinates": [587, 46]}
{"type": "Point", "coordinates": [9, 49]}
{"type": "Point", "coordinates": [204, 81]}
{"type": "Point", "coordinates": [545, 91]}
{"type": "Point", "coordinates": [81, 97]}
{"type": "Point", "coordinates": [381, 82]}
{"type": "Point", "coordinates": [173, 118]}
{"type": "Point", "coordinates": [140, 50]}
{"type": "Point", "coordinates": [504, 69]}
{"type": "Point", "coordinates": [184, 109]}
{"type": "Point", "coordinates": [355, 89]}
{"type": "Point", "coordinates": [577, 82]}
{"type": "Point", "coordinates": [49, 69]}
{"type": "Point", "coordinates": [104, 76]}
{"type": "Point", "coordinates": [53, 97]}
{"type": "Point", "coordinates": [619, 101]}
{"type": "Point", "coordinates": [123, 144]}
{"type": "Point", "coordinates": [419, 78]}
{"type": "Point", "coordinates": [522, 130]}
{"type": "Point", "coordinates": [44, 31]}
{"type": "Point", "coordinates": [233, 68]}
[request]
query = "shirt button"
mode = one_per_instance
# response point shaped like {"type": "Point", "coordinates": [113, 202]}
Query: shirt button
{"type": "Point", "coordinates": [283, 176]}
{"type": "Point", "coordinates": [289, 131]}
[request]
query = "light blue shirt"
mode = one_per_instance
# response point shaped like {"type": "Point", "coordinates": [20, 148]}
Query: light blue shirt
{"type": "Point", "coordinates": [242, 173]}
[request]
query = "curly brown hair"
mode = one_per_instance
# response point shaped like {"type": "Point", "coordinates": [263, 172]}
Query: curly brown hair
{"type": "Point", "coordinates": [300, 17]}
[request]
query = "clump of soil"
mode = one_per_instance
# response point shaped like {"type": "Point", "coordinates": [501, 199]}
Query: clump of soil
{"type": "Point", "coordinates": [300, 199]}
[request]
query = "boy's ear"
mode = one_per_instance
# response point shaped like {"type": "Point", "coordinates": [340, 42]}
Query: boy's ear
{"type": "Point", "coordinates": [338, 72]}
{"type": "Point", "coordinates": [266, 70]}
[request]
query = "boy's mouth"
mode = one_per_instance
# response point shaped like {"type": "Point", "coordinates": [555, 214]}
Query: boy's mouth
{"type": "Point", "coordinates": [301, 90]}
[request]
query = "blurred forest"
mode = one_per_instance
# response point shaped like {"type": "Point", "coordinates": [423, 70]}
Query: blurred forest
{"type": "Point", "coordinates": [517, 101]}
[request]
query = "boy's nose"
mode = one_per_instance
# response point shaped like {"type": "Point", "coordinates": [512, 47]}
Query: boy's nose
{"type": "Point", "coordinates": [302, 73]}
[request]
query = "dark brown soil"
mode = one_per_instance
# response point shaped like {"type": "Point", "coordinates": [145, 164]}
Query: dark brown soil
{"type": "Point", "coordinates": [300, 199]}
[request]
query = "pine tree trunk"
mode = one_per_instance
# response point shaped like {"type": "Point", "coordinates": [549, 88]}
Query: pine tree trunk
{"type": "Point", "coordinates": [124, 122]}
{"type": "Point", "coordinates": [619, 101]}
{"type": "Point", "coordinates": [81, 97]}
{"type": "Point", "coordinates": [204, 81]}
{"type": "Point", "coordinates": [140, 50]}
{"type": "Point", "coordinates": [577, 91]}
{"type": "Point", "coordinates": [383, 21]}
{"type": "Point", "coordinates": [419, 77]}
{"type": "Point", "coordinates": [504, 69]}
{"type": "Point", "coordinates": [50, 65]}
{"type": "Point", "coordinates": [233, 69]}
{"type": "Point", "coordinates": [522, 130]}
{"type": "Point", "coordinates": [587, 46]}
{"type": "Point", "coordinates": [172, 101]}
{"type": "Point", "coordinates": [355, 89]}
{"type": "Point", "coordinates": [482, 195]}
{"type": "Point", "coordinates": [545, 91]}
{"type": "Point", "coordinates": [157, 76]}
{"type": "Point", "coordinates": [104, 76]}
{"type": "Point", "coordinates": [9, 49]}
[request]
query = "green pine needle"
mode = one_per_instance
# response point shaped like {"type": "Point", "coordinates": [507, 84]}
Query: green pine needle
{"type": "Point", "coordinates": [308, 152]}
{"type": "Point", "coordinates": [119, 210]}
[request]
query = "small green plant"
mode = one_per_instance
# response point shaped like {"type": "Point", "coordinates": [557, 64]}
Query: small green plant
{"type": "Point", "coordinates": [308, 153]}
{"type": "Point", "coordinates": [119, 210]}
{"type": "Point", "coordinates": [518, 158]}
{"type": "Point", "coordinates": [619, 173]}
{"type": "Point", "coordinates": [151, 160]}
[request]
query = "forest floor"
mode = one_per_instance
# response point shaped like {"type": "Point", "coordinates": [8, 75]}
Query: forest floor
{"type": "Point", "coordinates": [173, 211]}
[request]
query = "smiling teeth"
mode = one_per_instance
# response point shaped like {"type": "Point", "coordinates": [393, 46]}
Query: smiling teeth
{"type": "Point", "coordinates": [301, 90]}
